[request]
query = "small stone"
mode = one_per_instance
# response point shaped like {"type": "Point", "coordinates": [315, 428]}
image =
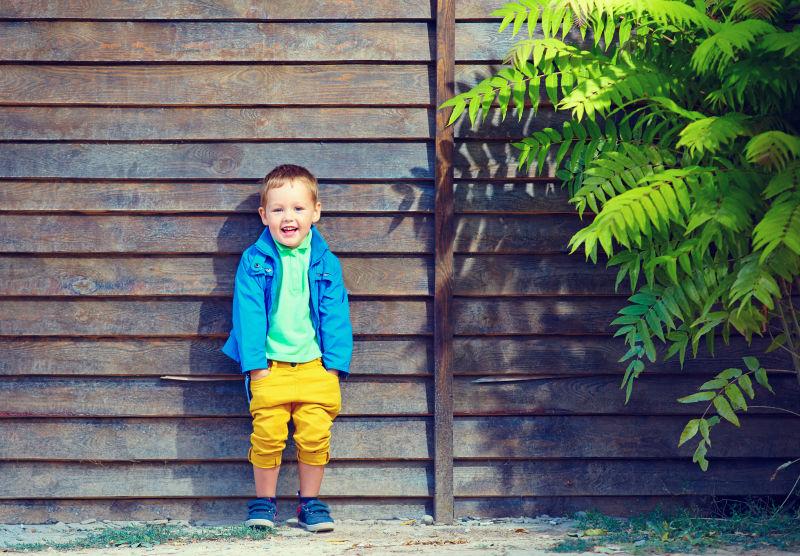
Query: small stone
{"type": "Point", "coordinates": [553, 522]}
{"type": "Point", "coordinates": [640, 542]}
{"type": "Point", "coordinates": [581, 514]}
{"type": "Point", "coordinates": [544, 516]}
{"type": "Point", "coordinates": [427, 519]}
{"type": "Point", "coordinates": [21, 526]}
{"type": "Point", "coordinates": [88, 521]}
{"type": "Point", "coordinates": [466, 529]}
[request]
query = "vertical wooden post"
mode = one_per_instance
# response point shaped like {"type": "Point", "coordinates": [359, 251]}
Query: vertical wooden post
{"type": "Point", "coordinates": [443, 291]}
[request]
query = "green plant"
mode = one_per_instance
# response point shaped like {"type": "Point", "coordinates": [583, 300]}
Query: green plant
{"type": "Point", "coordinates": [683, 141]}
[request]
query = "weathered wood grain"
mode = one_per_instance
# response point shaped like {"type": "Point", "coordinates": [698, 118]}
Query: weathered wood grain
{"type": "Point", "coordinates": [21, 233]}
{"type": "Point", "coordinates": [91, 123]}
{"type": "Point", "coordinates": [493, 275]}
{"type": "Point", "coordinates": [153, 397]}
{"type": "Point", "coordinates": [541, 437]}
{"type": "Point", "coordinates": [397, 276]}
{"type": "Point", "coordinates": [224, 41]}
{"type": "Point", "coordinates": [200, 439]}
{"type": "Point", "coordinates": [217, 84]}
{"type": "Point", "coordinates": [245, 160]}
{"type": "Point", "coordinates": [591, 395]}
{"type": "Point", "coordinates": [546, 315]}
{"type": "Point", "coordinates": [65, 123]}
{"type": "Point", "coordinates": [582, 355]}
{"type": "Point", "coordinates": [35, 480]}
{"type": "Point", "coordinates": [619, 478]}
{"type": "Point", "coordinates": [170, 317]}
{"type": "Point", "coordinates": [37, 396]}
{"type": "Point", "coordinates": [191, 356]}
{"type": "Point", "coordinates": [220, 9]}
{"type": "Point", "coordinates": [149, 480]}
{"type": "Point", "coordinates": [218, 41]}
{"type": "Point", "coordinates": [219, 510]}
{"type": "Point", "coordinates": [203, 196]}
{"type": "Point", "coordinates": [196, 276]}
{"type": "Point", "coordinates": [530, 234]}
{"type": "Point", "coordinates": [214, 160]}
{"type": "Point", "coordinates": [508, 198]}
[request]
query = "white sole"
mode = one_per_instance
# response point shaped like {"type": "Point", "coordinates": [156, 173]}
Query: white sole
{"type": "Point", "coordinates": [259, 523]}
{"type": "Point", "coordinates": [317, 527]}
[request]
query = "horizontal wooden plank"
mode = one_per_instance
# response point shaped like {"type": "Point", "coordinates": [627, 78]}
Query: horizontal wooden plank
{"type": "Point", "coordinates": [581, 355]}
{"type": "Point", "coordinates": [38, 480]}
{"type": "Point", "coordinates": [616, 437]}
{"type": "Point", "coordinates": [541, 437]}
{"type": "Point", "coordinates": [482, 356]}
{"type": "Point", "coordinates": [22, 233]}
{"type": "Point", "coordinates": [196, 276]}
{"type": "Point", "coordinates": [532, 234]}
{"type": "Point", "coordinates": [385, 160]}
{"type": "Point", "coordinates": [592, 395]}
{"type": "Point", "coordinates": [199, 439]}
{"type": "Point", "coordinates": [203, 196]}
{"type": "Point", "coordinates": [191, 41]}
{"type": "Point", "coordinates": [199, 511]}
{"type": "Point", "coordinates": [214, 160]}
{"type": "Point", "coordinates": [619, 478]}
{"type": "Point", "coordinates": [148, 480]}
{"type": "Point", "coordinates": [220, 9]}
{"type": "Point", "coordinates": [91, 123]}
{"type": "Point", "coordinates": [410, 275]}
{"type": "Point", "coordinates": [193, 356]}
{"type": "Point", "coordinates": [503, 197]}
{"type": "Point", "coordinates": [217, 84]}
{"type": "Point", "coordinates": [67, 123]}
{"type": "Point", "coordinates": [484, 275]}
{"type": "Point", "coordinates": [547, 315]}
{"type": "Point", "coordinates": [168, 317]}
{"type": "Point", "coordinates": [152, 397]}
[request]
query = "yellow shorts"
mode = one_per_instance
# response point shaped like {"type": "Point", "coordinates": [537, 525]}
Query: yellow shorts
{"type": "Point", "coordinates": [308, 394]}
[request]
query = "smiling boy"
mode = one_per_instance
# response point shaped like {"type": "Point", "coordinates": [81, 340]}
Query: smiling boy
{"type": "Point", "coordinates": [293, 339]}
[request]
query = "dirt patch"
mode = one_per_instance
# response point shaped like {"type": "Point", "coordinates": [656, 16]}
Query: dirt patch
{"type": "Point", "coordinates": [508, 537]}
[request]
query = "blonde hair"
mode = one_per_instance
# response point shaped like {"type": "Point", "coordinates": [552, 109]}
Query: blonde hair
{"type": "Point", "coordinates": [287, 173]}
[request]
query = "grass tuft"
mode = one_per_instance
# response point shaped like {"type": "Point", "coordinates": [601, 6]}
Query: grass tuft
{"type": "Point", "coordinates": [146, 535]}
{"type": "Point", "coordinates": [746, 525]}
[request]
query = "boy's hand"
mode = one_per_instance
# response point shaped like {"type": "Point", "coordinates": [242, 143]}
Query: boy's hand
{"type": "Point", "coordinates": [255, 374]}
{"type": "Point", "coordinates": [333, 371]}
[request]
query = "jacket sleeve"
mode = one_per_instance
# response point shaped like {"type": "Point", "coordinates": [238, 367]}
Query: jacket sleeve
{"type": "Point", "coordinates": [334, 313]}
{"type": "Point", "coordinates": [249, 317]}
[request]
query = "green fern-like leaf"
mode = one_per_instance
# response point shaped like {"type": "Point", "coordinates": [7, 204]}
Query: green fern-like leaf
{"type": "Point", "coordinates": [718, 50]}
{"type": "Point", "coordinates": [780, 225]}
{"type": "Point", "coordinates": [772, 149]}
{"type": "Point", "coordinates": [710, 134]}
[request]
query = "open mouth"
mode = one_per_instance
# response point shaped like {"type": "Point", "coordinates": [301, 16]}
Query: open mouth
{"type": "Point", "coordinates": [289, 229]}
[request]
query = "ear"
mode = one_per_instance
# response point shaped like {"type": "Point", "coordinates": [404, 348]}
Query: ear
{"type": "Point", "coordinates": [317, 212]}
{"type": "Point", "coordinates": [262, 212]}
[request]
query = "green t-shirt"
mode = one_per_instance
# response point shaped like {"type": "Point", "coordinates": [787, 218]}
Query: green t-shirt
{"type": "Point", "coordinates": [291, 334]}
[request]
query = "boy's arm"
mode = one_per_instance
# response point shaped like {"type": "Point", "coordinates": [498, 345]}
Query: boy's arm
{"type": "Point", "coordinates": [249, 318]}
{"type": "Point", "coordinates": [337, 332]}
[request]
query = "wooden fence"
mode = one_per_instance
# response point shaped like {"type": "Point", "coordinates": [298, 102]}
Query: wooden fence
{"type": "Point", "coordinates": [132, 137]}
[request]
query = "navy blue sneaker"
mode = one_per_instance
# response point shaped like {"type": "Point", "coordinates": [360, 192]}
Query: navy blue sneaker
{"type": "Point", "coordinates": [261, 513]}
{"type": "Point", "coordinates": [315, 516]}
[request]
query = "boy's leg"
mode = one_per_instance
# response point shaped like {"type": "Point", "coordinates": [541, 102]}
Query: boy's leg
{"type": "Point", "coordinates": [266, 479]}
{"type": "Point", "coordinates": [310, 479]}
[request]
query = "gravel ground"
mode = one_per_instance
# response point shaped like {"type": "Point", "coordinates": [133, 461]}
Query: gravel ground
{"type": "Point", "coordinates": [507, 537]}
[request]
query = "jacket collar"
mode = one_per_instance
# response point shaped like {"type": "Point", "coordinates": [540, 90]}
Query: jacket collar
{"type": "Point", "coordinates": [266, 245]}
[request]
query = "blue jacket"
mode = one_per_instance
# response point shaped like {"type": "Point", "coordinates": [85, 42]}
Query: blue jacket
{"type": "Point", "coordinates": [255, 288]}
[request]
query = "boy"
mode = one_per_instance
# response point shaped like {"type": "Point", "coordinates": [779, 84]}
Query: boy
{"type": "Point", "coordinates": [293, 338]}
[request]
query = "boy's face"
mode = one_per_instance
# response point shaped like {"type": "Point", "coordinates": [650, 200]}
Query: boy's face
{"type": "Point", "coordinates": [289, 213]}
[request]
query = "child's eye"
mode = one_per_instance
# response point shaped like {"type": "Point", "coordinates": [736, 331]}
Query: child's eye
{"type": "Point", "coordinates": [277, 210]}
